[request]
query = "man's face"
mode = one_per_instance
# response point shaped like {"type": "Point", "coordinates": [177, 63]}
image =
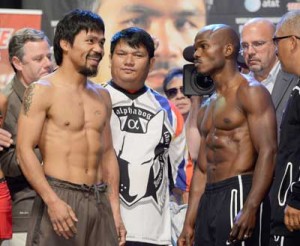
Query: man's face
{"type": "Point", "coordinates": [87, 51]}
{"type": "Point", "coordinates": [283, 52]}
{"type": "Point", "coordinates": [258, 49]}
{"type": "Point", "coordinates": [130, 66]}
{"type": "Point", "coordinates": [175, 94]}
{"type": "Point", "coordinates": [36, 61]}
{"type": "Point", "coordinates": [208, 54]}
{"type": "Point", "coordinates": [174, 23]}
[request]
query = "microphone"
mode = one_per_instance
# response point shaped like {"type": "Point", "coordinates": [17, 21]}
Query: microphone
{"type": "Point", "coordinates": [188, 53]}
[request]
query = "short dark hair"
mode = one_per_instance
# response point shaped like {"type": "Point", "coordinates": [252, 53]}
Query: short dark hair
{"type": "Point", "coordinates": [175, 72]}
{"type": "Point", "coordinates": [73, 23]}
{"type": "Point", "coordinates": [135, 37]}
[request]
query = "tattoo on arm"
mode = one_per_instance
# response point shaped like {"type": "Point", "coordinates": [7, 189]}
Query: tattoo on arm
{"type": "Point", "coordinates": [27, 100]}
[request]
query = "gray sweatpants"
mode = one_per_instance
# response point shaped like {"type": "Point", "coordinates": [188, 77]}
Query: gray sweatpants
{"type": "Point", "coordinates": [95, 226]}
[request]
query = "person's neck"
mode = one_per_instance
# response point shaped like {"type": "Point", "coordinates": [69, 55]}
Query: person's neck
{"type": "Point", "coordinates": [71, 78]}
{"type": "Point", "coordinates": [128, 86]}
{"type": "Point", "coordinates": [23, 80]}
{"type": "Point", "coordinates": [225, 80]}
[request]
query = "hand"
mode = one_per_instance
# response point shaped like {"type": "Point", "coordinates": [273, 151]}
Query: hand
{"type": "Point", "coordinates": [120, 230]}
{"type": "Point", "coordinates": [243, 227]}
{"type": "Point", "coordinates": [186, 237]}
{"type": "Point", "coordinates": [63, 219]}
{"type": "Point", "coordinates": [292, 218]}
{"type": "Point", "coordinates": [5, 139]}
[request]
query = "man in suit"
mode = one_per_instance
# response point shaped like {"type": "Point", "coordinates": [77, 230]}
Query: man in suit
{"type": "Point", "coordinates": [260, 56]}
{"type": "Point", "coordinates": [30, 57]}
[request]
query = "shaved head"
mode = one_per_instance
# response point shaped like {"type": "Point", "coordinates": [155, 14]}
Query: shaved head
{"type": "Point", "coordinates": [290, 23]}
{"type": "Point", "coordinates": [223, 34]}
{"type": "Point", "coordinates": [260, 22]}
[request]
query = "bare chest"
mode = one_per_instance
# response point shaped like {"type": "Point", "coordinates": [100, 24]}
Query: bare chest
{"type": "Point", "coordinates": [78, 113]}
{"type": "Point", "coordinates": [222, 114]}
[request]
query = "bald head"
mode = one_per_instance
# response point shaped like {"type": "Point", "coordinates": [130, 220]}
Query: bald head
{"type": "Point", "coordinates": [289, 23]}
{"type": "Point", "coordinates": [216, 49]}
{"type": "Point", "coordinates": [259, 27]}
{"type": "Point", "coordinates": [288, 46]}
{"type": "Point", "coordinates": [260, 23]}
{"type": "Point", "coordinates": [223, 34]}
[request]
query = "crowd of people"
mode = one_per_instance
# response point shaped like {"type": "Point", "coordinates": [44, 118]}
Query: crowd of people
{"type": "Point", "coordinates": [124, 164]}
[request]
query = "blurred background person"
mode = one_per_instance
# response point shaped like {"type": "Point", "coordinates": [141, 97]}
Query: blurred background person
{"type": "Point", "coordinates": [30, 57]}
{"type": "Point", "coordinates": [260, 56]}
{"type": "Point", "coordinates": [173, 88]}
{"type": "Point", "coordinates": [188, 107]}
{"type": "Point", "coordinates": [173, 23]}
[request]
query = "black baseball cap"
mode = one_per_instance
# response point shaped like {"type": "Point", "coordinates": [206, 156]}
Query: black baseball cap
{"type": "Point", "coordinates": [188, 53]}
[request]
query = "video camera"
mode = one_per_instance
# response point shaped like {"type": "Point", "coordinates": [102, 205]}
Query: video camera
{"type": "Point", "coordinates": [195, 83]}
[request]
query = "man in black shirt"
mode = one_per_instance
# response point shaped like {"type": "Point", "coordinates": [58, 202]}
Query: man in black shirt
{"type": "Point", "coordinates": [285, 192]}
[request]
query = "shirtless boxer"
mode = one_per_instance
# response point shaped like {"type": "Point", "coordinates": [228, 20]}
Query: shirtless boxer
{"type": "Point", "coordinates": [237, 150]}
{"type": "Point", "coordinates": [68, 117]}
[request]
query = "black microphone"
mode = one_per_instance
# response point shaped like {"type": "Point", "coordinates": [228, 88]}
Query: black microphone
{"type": "Point", "coordinates": [188, 53]}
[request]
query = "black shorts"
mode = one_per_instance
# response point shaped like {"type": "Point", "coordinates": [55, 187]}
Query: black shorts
{"type": "Point", "coordinates": [285, 241]}
{"type": "Point", "coordinates": [95, 226]}
{"type": "Point", "coordinates": [218, 207]}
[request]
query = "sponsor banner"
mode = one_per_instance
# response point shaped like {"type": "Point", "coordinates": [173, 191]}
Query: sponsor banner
{"type": "Point", "coordinates": [231, 12]}
{"type": "Point", "coordinates": [237, 12]}
{"type": "Point", "coordinates": [10, 21]}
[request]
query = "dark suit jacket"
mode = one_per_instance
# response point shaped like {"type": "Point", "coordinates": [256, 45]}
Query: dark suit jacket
{"type": "Point", "coordinates": [21, 192]}
{"type": "Point", "coordinates": [283, 86]}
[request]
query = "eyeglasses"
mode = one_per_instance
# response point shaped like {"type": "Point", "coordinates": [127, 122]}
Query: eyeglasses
{"type": "Point", "coordinates": [171, 93]}
{"type": "Point", "coordinates": [276, 39]}
{"type": "Point", "coordinates": [256, 45]}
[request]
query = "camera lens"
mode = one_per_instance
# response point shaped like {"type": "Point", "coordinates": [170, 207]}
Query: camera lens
{"type": "Point", "coordinates": [195, 83]}
{"type": "Point", "coordinates": [202, 82]}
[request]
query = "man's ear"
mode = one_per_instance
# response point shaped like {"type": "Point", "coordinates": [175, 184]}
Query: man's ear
{"type": "Point", "coordinates": [64, 44]}
{"type": "Point", "coordinates": [228, 50]}
{"type": "Point", "coordinates": [152, 61]}
{"type": "Point", "coordinates": [294, 44]}
{"type": "Point", "coordinates": [17, 63]}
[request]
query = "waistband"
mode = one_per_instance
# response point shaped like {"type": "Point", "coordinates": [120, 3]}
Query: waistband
{"type": "Point", "coordinates": [95, 189]}
{"type": "Point", "coordinates": [229, 183]}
